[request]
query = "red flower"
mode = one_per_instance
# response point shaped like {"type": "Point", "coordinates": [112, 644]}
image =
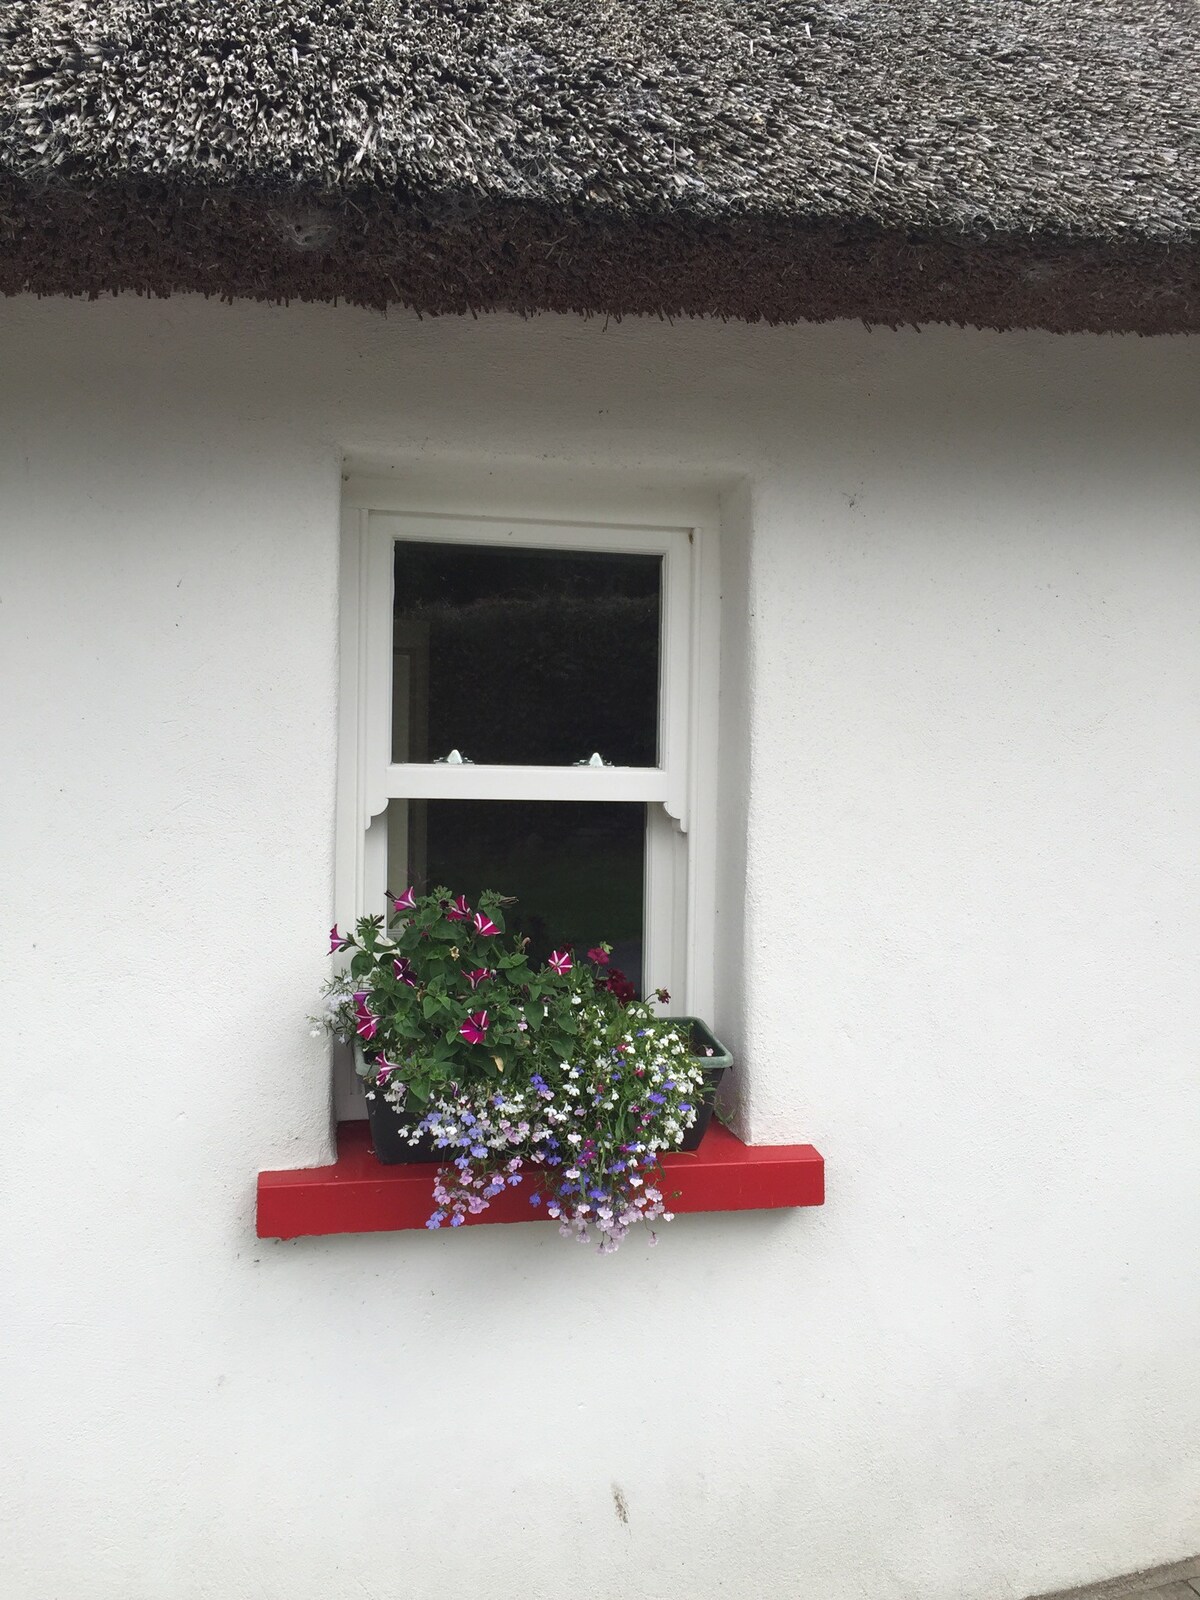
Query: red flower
{"type": "Point", "coordinates": [599, 955]}
{"type": "Point", "coordinates": [619, 985]}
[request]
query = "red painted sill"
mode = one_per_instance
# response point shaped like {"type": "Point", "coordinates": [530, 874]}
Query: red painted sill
{"type": "Point", "coordinates": [358, 1195]}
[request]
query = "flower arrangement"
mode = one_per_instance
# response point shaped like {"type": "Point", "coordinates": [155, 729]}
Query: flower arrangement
{"type": "Point", "coordinates": [556, 1074]}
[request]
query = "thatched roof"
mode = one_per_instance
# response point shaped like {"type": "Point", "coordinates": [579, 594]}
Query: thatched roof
{"type": "Point", "coordinates": [1002, 162]}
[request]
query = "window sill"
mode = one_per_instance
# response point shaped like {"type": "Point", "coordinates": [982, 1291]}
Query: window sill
{"type": "Point", "coordinates": [358, 1195]}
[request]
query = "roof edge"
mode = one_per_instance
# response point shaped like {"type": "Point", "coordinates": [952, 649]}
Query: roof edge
{"type": "Point", "coordinates": [453, 254]}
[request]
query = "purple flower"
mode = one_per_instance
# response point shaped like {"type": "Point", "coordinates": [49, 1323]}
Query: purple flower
{"type": "Point", "coordinates": [405, 902]}
{"type": "Point", "coordinates": [658, 1099]}
{"type": "Point", "coordinates": [403, 968]}
{"type": "Point", "coordinates": [336, 942]}
{"type": "Point", "coordinates": [456, 1221]}
{"type": "Point", "coordinates": [459, 911]}
{"type": "Point", "coordinates": [535, 1199]}
{"type": "Point", "coordinates": [367, 1025]}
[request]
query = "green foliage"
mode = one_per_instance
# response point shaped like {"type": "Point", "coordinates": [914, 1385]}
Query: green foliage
{"type": "Point", "coordinates": [558, 1071]}
{"type": "Point", "coordinates": [441, 994]}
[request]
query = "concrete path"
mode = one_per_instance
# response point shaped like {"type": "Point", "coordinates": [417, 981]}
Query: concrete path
{"type": "Point", "coordinates": [1178, 1581]}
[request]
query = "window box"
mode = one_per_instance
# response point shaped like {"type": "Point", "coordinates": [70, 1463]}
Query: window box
{"type": "Point", "coordinates": [359, 1195]}
{"type": "Point", "coordinates": [393, 1149]}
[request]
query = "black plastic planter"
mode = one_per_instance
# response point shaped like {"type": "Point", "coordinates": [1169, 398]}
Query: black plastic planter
{"type": "Point", "coordinates": [715, 1061]}
{"type": "Point", "coordinates": [391, 1146]}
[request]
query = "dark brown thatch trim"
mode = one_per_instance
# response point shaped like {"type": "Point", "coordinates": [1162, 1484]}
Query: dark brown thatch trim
{"type": "Point", "coordinates": [451, 257]}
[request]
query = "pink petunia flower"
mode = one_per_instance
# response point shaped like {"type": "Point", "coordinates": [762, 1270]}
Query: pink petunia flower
{"type": "Point", "coordinates": [485, 925]}
{"type": "Point", "coordinates": [404, 902]}
{"type": "Point", "coordinates": [560, 961]}
{"type": "Point", "coordinates": [335, 940]}
{"type": "Point", "coordinates": [598, 955]}
{"type": "Point", "coordinates": [474, 1029]}
{"type": "Point", "coordinates": [477, 977]}
{"type": "Point", "coordinates": [459, 910]}
{"type": "Point", "coordinates": [403, 968]}
{"type": "Point", "coordinates": [367, 1023]}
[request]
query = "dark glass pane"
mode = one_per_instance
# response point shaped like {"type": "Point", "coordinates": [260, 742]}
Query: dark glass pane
{"type": "Point", "coordinates": [577, 869]}
{"type": "Point", "coordinates": [529, 657]}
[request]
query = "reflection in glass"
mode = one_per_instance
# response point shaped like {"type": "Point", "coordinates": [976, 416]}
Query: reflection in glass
{"type": "Point", "coordinates": [577, 869]}
{"type": "Point", "coordinates": [530, 657]}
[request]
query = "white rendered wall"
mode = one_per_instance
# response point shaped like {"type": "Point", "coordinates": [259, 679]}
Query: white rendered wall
{"type": "Point", "coordinates": [962, 708]}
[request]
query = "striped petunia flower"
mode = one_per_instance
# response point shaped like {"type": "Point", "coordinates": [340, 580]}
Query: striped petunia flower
{"type": "Point", "coordinates": [474, 1029]}
{"type": "Point", "coordinates": [366, 1023]}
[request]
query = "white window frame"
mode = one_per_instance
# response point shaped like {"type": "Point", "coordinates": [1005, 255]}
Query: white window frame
{"type": "Point", "coordinates": [679, 792]}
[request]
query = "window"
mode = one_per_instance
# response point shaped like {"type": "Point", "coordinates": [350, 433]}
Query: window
{"type": "Point", "coordinates": [529, 704]}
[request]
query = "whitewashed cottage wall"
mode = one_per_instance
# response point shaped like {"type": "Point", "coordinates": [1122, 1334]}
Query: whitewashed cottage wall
{"type": "Point", "coordinates": [959, 932]}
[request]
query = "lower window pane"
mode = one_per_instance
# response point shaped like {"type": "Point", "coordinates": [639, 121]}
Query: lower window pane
{"type": "Point", "coordinates": [577, 870]}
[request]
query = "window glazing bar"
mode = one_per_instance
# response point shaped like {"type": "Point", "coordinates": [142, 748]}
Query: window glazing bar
{"type": "Point", "coordinates": [445, 781]}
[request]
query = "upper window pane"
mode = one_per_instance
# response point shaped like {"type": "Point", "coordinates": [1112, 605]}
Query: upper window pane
{"type": "Point", "coordinates": [525, 657]}
{"type": "Point", "coordinates": [576, 868]}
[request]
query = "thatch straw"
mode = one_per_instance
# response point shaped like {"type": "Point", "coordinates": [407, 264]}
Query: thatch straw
{"type": "Point", "coordinates": [1007, 162]}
